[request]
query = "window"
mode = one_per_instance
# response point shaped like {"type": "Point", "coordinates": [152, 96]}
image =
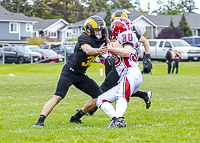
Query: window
{"type": "Point", "coordinates": [13, 27]}
{"type": "Point", "coordinates": [53, 34]}
{"type": "Point", "coordinates": [69, 34]}
{"type": "Point", "coordinates": [74, 30]}
{"type": "Point", "coordinates": [82, 29]}
{"type": "Point", "coordinates": [167, 45]}
{"type": "Point", "coordinates": [197, 41]}
{"type": "Point", "coordinates": [161, 44]}
{"type": "Point", "coordinates": [34, 34]}
{"type": "Point", "coordinates": [7, 49]}
{"type": "Point", "coordinates": [152, 43]}
{"type": "Point", "coordinates": [28, 27]}
{"type": "Point", "coordinates": [188, 40]}
{"type": "Point", "coordinates": [13, 50]}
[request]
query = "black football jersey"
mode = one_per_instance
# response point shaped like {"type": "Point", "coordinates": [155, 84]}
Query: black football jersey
{"type": "Point", "coordinates": [79, 60]}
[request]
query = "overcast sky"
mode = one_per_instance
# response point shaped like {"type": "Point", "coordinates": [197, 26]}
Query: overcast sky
{"type": "Point", "coordinates": [144, 4]}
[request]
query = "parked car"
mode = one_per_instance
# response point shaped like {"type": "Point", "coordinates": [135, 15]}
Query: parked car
{"type": "Point", "coordinates": [159, 48]}
{"type": "Point", "coordinates": [49, 46]}
{"type": "Point", "coordinates": [33, 48]}
{"type": "Point", "coordinates": [61, 49]}
{"type": "Point", "coordinates": [19, 54]}
{"type": "Point", "coordinates": [192, 40]}
{"type": "Point", "coordinates": [50, 56]}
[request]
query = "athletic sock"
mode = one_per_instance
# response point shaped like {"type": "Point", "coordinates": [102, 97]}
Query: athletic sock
{"type": "Point", "coordinates": [41, 119]}
{"type": "Point", "coordinates": [79, 114]}
{"type": "Point", "coordinates": [108, 109]}
{"type": "Point", "coordinates": [121, 106]}
{"type": "Point", "coordinates": [140, 94]}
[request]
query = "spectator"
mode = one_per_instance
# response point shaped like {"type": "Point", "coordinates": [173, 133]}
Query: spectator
{"type": "Point", "coordinates": [176, 59]}
{"type": "Point", "coordinates": [169, 60]}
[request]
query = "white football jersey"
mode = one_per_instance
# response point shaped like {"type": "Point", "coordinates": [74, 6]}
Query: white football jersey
{"type": "Point", "coordinates": [125, 62]}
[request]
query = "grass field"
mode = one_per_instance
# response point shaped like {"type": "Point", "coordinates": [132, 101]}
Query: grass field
{"type": "Point", "coordinates": [173, 117]}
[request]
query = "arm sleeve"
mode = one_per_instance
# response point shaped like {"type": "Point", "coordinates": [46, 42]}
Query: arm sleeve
{"type": "Point", "coordinates": [138, 35]}
{"type": "Point", "coordinates": [84, 39]}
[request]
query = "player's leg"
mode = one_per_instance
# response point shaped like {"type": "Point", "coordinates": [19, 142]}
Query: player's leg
{"type": "Point", "coordinates": [146, 96]}
{"type": "Point", "coordinates": [48, 107]}
{"type": "Point", "coordinates": [104, 102]}
{"type": "Point", "coordinates": [130, 84]}
{"type": "Point", "coordinates": [90, 87]}
{"type": "Point", "coordinates": [61, 90]}
{"type": "Point", "coordinates": [110, 80]}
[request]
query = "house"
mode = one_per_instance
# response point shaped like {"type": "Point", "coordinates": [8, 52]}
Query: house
{"type": "Point", "coordinates": [54, 29]}
{"type": "Point", "coordinates": [15, 27]}
{"type": "Point", "coordinates": [148, 23]}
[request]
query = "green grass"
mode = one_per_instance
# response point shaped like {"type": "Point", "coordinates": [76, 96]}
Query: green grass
{"type": "Point", "coordinates": [173, 116]}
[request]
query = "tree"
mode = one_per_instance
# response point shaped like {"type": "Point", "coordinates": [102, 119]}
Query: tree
{"type": "Point", "coordinates": [123, 4]}
{"type": "Point", "coordinates": [94, 6]}
{"type": "Point", "coordinates": [108, 17]}
{"type": "Point", "coordinates": [19, 6]}
{"type": "Point", "coordinates": [36, 41]}
{"type": "Point", "coordinates": [170, 9]}
{"type": "Point", "coordinates": [136, 4]}
{"type": "Point", "coordinates": [187, 5]}
{"type": "Point", "coordinates": [171, 23]}
{"type": "Point", "coordinates": [170, 33]}
{"type": "Point", "coordinates": [183, 26]}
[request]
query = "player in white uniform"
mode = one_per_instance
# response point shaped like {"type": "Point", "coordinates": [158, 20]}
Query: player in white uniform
{"type": "Point", "coordinates": [127, 68]}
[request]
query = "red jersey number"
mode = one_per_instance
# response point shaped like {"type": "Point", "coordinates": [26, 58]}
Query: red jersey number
{"type": "Point", "coordinates": [127, 38]}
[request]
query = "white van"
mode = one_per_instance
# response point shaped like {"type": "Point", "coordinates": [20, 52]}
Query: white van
{"type": "Point", "coordinates": [159, 48]}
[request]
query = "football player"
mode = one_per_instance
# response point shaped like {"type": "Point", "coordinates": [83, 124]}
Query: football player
{"type": "Point", "coordinates": [90, 44]}
{"type": "Point", "coordinates": [109, 64]}
{"type": "Point", "coordinates": [126, 67]}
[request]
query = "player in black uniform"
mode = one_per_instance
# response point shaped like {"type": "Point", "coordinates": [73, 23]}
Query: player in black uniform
{"type": "Point", "coordinates": [90, 44]}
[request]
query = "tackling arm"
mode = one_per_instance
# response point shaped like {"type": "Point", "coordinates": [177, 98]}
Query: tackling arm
{"type": "Point", "coordinates": [94, 51]}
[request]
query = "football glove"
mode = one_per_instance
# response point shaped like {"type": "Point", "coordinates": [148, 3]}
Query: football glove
{"type": "Point", "coordinates": [147, 61]}
{"type": "Point", "coordinates": [110, 59]}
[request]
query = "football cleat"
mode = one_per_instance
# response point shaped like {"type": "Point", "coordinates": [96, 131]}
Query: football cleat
{"type": "Point", "coordinates": [113, 123]}
{"type": "Point", "coordinates": [75, 120]}
{"type": "Point", "coordinates": [148, 99]}
{"type": "Point", "coordinates": [117, 122]}
{"type": "Point", "coordinates": [38, 124]}
{"type": "Point", "coordinates": [120, 122]}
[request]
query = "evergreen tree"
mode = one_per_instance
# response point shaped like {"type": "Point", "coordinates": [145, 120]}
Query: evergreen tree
{"type": "Point", "coordinates": [183, 26]}
{"type": "Point", "coordinates": [171, 23]}
{"type": "Point", "coordinates": [108, 17]}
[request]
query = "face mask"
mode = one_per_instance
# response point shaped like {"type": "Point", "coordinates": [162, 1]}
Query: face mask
{"type": "Point", "coordinates": [98, 36]}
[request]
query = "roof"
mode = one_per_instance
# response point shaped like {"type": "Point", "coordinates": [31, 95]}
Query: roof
{"type": "Point", "coordinates": [42, 23]}
{"type": "Point", "coordinates": [160, 20]}
{"type": "Point", "coordinates": [5, 15]}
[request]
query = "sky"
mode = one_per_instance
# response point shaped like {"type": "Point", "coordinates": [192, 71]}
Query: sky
{"type": "Point", "coordinates": [144, 4]}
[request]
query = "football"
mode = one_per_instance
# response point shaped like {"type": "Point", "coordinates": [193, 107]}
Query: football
{"type": "Point", "coordinates": [116, 45]}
